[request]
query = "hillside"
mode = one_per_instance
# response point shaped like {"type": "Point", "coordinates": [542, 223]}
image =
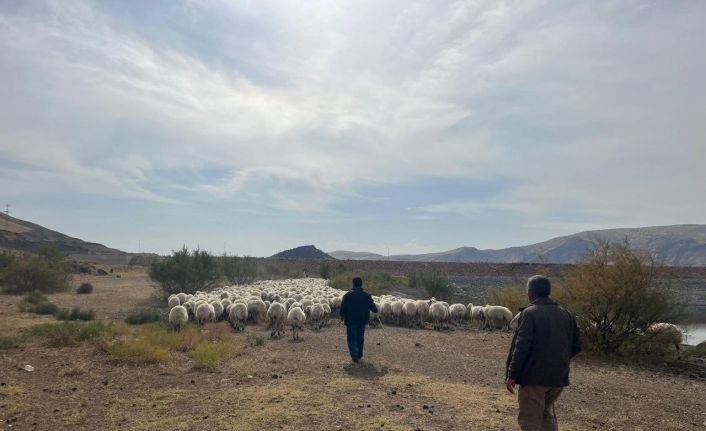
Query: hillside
{"type": "Point", "coordinates": [678, 245]}
{"type": "Point", "coordinates": [16, 234]}
{"type": "Point", "coordinates": [306, 252]}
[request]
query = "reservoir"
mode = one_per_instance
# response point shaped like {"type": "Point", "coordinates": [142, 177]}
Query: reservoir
{"type": "Point", "coordinates": [694, 333]}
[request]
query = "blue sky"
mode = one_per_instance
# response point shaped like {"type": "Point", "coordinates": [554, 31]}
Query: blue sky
{"type": "Point", "coordinates": [257, 126]}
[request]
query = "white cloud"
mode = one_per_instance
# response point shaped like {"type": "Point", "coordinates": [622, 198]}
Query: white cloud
{"type": "Point", "coordinates": [591, 107]}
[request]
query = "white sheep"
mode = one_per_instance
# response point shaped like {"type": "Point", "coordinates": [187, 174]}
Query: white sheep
{"type": "Point", "coordinates": [666, 333]}
{"type": "Point", "coordinates": [316, 315]}
{"type": "Point", "coordinates": [238, 315]}
{"type": "Point", "coordinates": [397, 310]}
{"type": "Point", "coordinates": [217, 309]}
{"type": "Point", "coordinates": [203, 313]}
{"type": "Point", "coordinates": [422, 312]}
{"type": "Point", "coordinates": [296, 319]}
{"type": "Point", "coordinates": [515, 321]}
{"type": "Point", "coordinates": [277, 316]}
{"type": "Point", "coordinates": [257, 310]}
{"type": "Point", "coordinates": [457, 313]}
{"type": "Point", "coordinates": [476, 314]}
{"type": "Point", "coordinates": [173, 301]}
{"type": "Point", "coordinates": [182, 297]}
{"type": "Point", "coordinates": [409, 311]}
{"type": "Point", "coordinates": [439, 314]}
{"type": "Point", "coordinates": [497, 316]}
{"type": "Point", "coordinates": [178, 316]}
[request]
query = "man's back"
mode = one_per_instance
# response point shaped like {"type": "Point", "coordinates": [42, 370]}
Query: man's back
{"type": "Point", "coordinates": [546, 339]}
{"type": "Point", "coordinates": [356, 306]}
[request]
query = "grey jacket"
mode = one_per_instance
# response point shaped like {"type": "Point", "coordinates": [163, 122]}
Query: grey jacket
{"type": "Point", "coordinates": [546, 339]}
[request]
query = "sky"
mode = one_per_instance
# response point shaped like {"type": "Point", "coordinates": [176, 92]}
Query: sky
{"type": "Point", "coordinates": [398, 126]}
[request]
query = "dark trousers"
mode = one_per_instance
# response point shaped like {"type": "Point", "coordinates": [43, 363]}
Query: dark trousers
{"type": "Point", "coordinates": [356, 338]}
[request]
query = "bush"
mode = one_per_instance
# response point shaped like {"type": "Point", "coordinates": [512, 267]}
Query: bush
{"type": "Point", "coordinates": [513, 298]}
{"type": "Point", "coordinates": [185, 271]}
{"type": "Point", "coordinates": [85, 288]}
{"type": "Point", "coordinates": [102, 271]}
{"type": "Point", "coordinates": [325, 270]}
{"type": "Point", "coordinates": [45, 308]}
{"type": "Point", "coordinates": [36, 302]}
{"type": "Point", "coordinates": [436, 284]}
{"type": "Point", "coordinates": [698, 351]}
{"type": "Point", "coordinates": [6, 259]}
{"type": "Point", "coordinates": [45, 273]}
{"type": "Point", "coordinates": [616, 293]}
{"type": "Point", "coordinates": [256, 341]}
{"type": "Point", "coordinates": [75, 314]}
{"type": "Point", "coordinates": [238, 270]}
{"type": "Point", "coordinates": [9, 343]}
{"type": "Point", "coordinates": [375, 283]}
{"type": "Point", "coordinates": [70, 333]}
{"type": "Point", "coordinates": [206, 345]}
{"type": "Point", "coordinates": [143, 315]}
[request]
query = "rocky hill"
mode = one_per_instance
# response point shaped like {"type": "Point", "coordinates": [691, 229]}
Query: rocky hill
{"type": "Point", "coordinates": [307, 252]}
{"type": "Point", "coordinates": [678, 245]}
{"type": "Point", "coordinates": [20, 235]}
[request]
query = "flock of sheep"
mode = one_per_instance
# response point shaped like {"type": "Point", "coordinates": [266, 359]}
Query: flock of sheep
{"type": "Point", "coordinates": [296, 303]}
{"type": "Point", "coordinates": [299, 302]}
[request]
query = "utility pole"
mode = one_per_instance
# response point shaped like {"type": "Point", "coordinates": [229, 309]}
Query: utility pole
{"type": "Point", "coordinates": [7, 216]}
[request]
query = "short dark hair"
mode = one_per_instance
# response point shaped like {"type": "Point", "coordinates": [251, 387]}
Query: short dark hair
{"type": "Point", "coordinates": [539, 285]}
{"type": "Point", "coordinates": [357, 282]}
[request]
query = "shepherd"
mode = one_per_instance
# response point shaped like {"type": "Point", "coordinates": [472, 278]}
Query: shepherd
{"type": "Point", "coordinates": [355, 312]}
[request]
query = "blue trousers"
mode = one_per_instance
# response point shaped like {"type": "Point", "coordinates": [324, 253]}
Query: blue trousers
{"type": "Point", "coordinates": [356, 337]}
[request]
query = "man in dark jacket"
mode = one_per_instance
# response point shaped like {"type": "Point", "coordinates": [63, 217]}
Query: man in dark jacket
{"type": "Point", "coordinates": [355, 312]}
{"type": "Point", "coordinates": [546, 339]}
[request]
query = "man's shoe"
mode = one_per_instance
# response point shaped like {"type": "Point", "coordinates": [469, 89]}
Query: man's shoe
{"type": "Point", "coordinates": [356, 360]}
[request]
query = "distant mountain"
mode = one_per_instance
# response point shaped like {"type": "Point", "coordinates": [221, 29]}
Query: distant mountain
{"type": "Point", "coordinates": [308, 252]}
{"type": "Point", "coordinates": [16, 234]}
{"type": "Point", "coordinates": [678, 245]}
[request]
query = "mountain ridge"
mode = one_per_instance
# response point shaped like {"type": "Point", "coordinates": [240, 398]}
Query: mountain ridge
{"type": "Point", "coordinates": [674, 245]}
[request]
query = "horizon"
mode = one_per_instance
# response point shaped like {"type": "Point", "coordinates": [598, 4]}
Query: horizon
{"type": "Point", "coordinates": [396, 128]}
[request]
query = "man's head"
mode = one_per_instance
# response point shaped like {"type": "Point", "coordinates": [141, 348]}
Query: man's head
{"type": "Point", "coordinates": [538, 286]}
{"type": "Point", "coordinates": [357, 283]}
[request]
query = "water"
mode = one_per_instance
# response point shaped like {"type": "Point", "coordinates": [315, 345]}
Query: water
{"type": "Point", "coordinates": [695, 333]}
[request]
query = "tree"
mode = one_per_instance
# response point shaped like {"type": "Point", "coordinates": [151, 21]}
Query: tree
{"type": "Point", "coordinates": [46, 272]}
{"type": "Point", "coordinates": [185, 271]}
{"type": "Point", "coordinates": [617, 293]}
{"type": "Point", "coordinates": [238, 270]}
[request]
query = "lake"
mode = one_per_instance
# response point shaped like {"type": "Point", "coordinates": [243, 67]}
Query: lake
{"type": "Point", "coordinates": [694, 333]}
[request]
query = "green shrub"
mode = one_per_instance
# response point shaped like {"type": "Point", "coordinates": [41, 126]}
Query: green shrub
{"type": "Point", "coordinates": [256, 340]}
{"type": "Point", "coordinates": [45, 273]}
{"type": "Point", "coordinates": [511, 297]}
{"type": "Point", "coordinates": [698, 351]}
{"type": "Point", "coordinates": [9, 343]}
{"type": "Point", "coordinates": [85, 288]}
{"type": "Point", "coordinates": [36, 302]}
{"type": "Point", "coordinates": [70, 333]}
{"type": "Point", "coordinates": [375, 283]}
{"type": "Point", "coordinates": [617, 293]}
{"type": "Point", "coordinates": [208, 355]}
{"type": "Point", "coordinates": [45, 308]}
{"type": "Point", "coordinates": [143, 315]}
{"type": "Point", "coordinates": [325, 270]}
{"type": "Point", "coordinates": [238, 270]}
{"type": "Point", "coordinates": [185, 271]}
{"type": "Point", "coordinates": [102, 271]}
{"type": "Point", "coordinates": [436, 284]}
{"type": "Point", "coordinates": [6, 259]}
{"type": "Point", "coordinates": [75, 314]}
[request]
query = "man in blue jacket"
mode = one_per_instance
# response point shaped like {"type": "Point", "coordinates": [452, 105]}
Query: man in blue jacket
{"type": "Point", "coordinates": [355, 312]}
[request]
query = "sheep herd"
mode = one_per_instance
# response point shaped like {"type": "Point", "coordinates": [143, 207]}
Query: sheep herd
{"type": "Point", "coordinates": [297, 303]}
